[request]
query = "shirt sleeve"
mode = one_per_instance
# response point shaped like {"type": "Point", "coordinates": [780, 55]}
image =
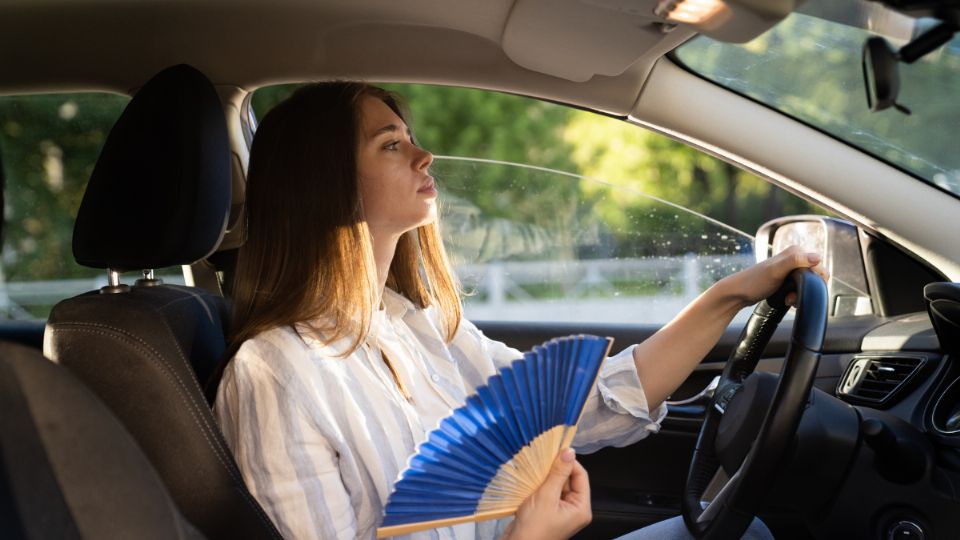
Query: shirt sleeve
{"type": "Point", "coordinates": [288, 465]}
{"type": "Point", "coordinates": [616, 412]}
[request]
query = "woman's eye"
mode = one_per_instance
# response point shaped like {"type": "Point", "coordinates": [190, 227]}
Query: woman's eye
{"type": "Point", "coordinates": [391, 145]}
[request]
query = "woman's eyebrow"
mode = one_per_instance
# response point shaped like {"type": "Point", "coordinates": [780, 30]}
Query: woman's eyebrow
{"type": "Point", "coordinates": [389, 128]}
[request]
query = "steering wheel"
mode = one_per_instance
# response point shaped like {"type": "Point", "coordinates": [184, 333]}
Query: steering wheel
{"type": "Point", "coordinates": [736, 434]}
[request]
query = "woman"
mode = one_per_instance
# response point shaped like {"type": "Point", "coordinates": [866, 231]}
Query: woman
{"type": "Point", "coordinates": [348, 337]}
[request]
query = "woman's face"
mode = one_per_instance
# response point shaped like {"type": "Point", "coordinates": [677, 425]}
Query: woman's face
{"type": "Point", "coordinates": [396, 188]}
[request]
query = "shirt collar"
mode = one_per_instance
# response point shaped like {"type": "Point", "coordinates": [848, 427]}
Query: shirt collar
{"type": "Point", "coordinates": [310, 337]}
{"type": "Point", "coordinates": [395, 304]}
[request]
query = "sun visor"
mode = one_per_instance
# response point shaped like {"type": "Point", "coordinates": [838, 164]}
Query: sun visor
{"type": "Point", "coordinates": [577, 39]}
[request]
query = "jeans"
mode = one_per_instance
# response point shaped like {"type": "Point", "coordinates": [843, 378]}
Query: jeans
{"type": "Point", "coordinates": [674, 529]}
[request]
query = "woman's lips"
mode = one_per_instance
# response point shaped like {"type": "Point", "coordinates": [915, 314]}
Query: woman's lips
{"type": "Point", "coordinates": [429, 188]}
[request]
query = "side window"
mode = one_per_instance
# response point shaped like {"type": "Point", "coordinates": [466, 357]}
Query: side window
{"type": "Point", "coordinates": [555, 214]}
{"type": "Point", "coordinates": [533, 244]}
{"type": "Point", "coordinates": [49, 145]}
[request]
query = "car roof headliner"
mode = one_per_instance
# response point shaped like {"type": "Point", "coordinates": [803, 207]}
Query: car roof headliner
{"type": "Point", "coordinates": [575, 51]}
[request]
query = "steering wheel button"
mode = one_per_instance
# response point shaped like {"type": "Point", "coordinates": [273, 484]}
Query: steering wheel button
{"type": "Point", "coordinates": [724, 397]}
{"type": "Point", "coordinates": [906, 530]}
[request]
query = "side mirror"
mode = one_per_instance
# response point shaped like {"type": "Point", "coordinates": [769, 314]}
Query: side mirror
{"type": "Point", "coordinates": [838, 242]}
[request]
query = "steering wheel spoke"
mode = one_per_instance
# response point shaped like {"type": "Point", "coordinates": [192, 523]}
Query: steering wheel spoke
{"type": "Point", "coordinates": [713, 509]}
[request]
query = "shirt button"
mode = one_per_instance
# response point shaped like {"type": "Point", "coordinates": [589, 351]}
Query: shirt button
{"type": "Point", "coordinates": [435, 377]}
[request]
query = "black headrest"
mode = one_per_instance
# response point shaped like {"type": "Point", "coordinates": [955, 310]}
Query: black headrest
{"type": "Point", "coordinates": [160, 191]}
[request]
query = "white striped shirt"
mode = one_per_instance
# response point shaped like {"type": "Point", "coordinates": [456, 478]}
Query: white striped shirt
{"type": "Point", "coordinates": [320, 439]}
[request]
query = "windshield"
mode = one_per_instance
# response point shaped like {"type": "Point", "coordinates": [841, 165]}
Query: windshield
{"type": "Point", "coordinates": [809, 67]}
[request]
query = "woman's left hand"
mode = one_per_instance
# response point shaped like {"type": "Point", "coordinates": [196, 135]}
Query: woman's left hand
{"type": "Point", "coordinates": [763, 279]}
{"type": "Point", "coordinates": [559, 508]}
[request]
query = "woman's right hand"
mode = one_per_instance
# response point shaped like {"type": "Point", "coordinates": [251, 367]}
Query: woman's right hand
{"type": "Point", "coordinates": [559, 508]}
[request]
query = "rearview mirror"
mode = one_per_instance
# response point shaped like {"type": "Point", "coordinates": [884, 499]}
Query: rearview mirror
{"type": "Point", "coordinates": [881, 76]}
{"type": "Point", "coordinates": [880, 73]}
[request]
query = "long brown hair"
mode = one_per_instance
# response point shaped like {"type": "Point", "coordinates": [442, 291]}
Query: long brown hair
{"type": "Point", "coordinates": [308, 255]}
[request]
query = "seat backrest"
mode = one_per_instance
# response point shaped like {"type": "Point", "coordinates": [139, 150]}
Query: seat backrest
{"type": "Point", "coordinates": [68, 468]}
{"type": "Point", "coordinates": [158, 197]}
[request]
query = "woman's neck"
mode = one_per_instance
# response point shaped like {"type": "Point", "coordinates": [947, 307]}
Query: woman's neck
{"type": "Point", "coordinates": [384, 247]}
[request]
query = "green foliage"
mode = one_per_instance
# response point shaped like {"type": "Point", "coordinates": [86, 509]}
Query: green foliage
{"type": "Point", "coordinates": [49, 145]}
{"type": "Point", "coordinates": [267, 97]}
{"type": "Point", "coordinates": [649, 165]}
{"type": "Point", "coordinates": [828, 91]}
{"type": "Point", "coordinates": [501, 127]}
{"type": "Point", "coordinates": [473, 123]}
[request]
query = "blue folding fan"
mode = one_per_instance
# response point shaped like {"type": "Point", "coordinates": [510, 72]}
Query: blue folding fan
{"type": "Point", "coordinates": [490, 454]}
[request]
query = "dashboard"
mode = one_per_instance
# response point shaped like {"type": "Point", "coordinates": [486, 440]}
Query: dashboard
{"type": "Point", "coordinates": [903, 475]}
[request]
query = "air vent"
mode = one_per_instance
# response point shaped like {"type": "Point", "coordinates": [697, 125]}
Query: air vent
{"type": "Point", "coordinates": [878, 380]}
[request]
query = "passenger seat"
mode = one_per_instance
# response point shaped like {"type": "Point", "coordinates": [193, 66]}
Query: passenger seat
{"type": "Point", "coordinates": [159, 197]}
{"type": "Point", "coordinates": [68, 469]}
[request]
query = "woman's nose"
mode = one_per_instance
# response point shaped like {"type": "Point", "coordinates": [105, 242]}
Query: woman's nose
{"type": "Point", "coordinates": [423, 160]}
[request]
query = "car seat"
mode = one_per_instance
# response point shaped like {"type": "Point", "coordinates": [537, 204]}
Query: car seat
{"type": "Point", "coordinates": [159, 196]}
{"type": "Point", "coordinates": [68, 468]}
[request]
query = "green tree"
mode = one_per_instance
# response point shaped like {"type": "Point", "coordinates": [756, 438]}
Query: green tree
{"type": "Point", "coordinates": [810, 68]}
{"type": "Point", "coordinates": [50, 144]}
{"type": "Point", "coordinates": [501, 127]}
{"type": "Point", "coordinates": [649, 165]}
{"type": "Point", "coordinates": [485, 125]}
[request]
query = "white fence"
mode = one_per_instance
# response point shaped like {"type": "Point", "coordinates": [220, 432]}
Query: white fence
{"type": "Point", "coordinates": [589, 291]}
{"type": "Point", "coordinates": [583, 290]}
{"type": "Point", "coordinates": [15, 296]}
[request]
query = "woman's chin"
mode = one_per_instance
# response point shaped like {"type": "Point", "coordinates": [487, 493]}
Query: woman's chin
{"type": "Point", "coordinates": [431, 211]}
{"type": "Point", "coordinates": [428, 218]}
